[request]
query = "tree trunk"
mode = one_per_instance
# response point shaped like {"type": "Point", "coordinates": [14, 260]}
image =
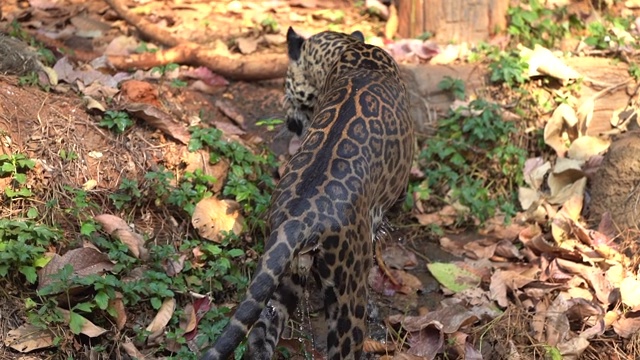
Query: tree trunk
{"type": "Point", "coordinates": [455, 21]}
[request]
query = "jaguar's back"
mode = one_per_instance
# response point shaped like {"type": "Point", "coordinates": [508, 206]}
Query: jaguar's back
{"type": "Point", "coordinates": [347, 99]}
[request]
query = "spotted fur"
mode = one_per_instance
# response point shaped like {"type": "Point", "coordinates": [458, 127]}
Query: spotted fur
{"type": "Point", "coordinates": [347, 100]}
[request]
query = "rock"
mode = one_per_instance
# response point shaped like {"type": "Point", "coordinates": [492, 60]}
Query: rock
{"type": "Point", "coordinates": [615, 186]}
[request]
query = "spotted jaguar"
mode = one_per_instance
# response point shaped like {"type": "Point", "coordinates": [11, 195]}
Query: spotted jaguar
{"type": "Point", "coordinates": [347, 100]}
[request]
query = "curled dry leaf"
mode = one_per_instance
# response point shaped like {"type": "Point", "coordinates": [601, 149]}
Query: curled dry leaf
{"type": "Point", "coordinates": [627, 325]}
{"type": "Point", "coordinates": [542, 61]}
{"type": "Point", "coordinates": [535, 169]}
{"type": "Point", "coordinates": [160, 321]}
{"type": "Point", "coordinates": [585, 147]}
{"type": "Point", "coordinates": [213, 216]}
{"type": "Point", "coordinates": [409, 283]}
{"type": "Point", "coordinates": [201, 160]}
{"type": "Point", "coordinates": [27, 338]}
{"type": "Point", "coordinates": [573, 348]}
{"type": "Point", "coordinates": [557, 323]}
{"type": "Point", "coordinates": [160, 120]}
{"type": "Point", "coordinates": [88, 328]}
{"type": "Point", "coordinates": [445, 217]}
{"type": "Point", "coordinates": [172, 267]}
{"type": "Point", "coordinates": [398, 257]}
{"type": "Point", "coordinates": [555, 135]}
{"type": "Point", "coordinates": [85, 261]}
{"type": "Point", "coordinates": [188, 320]}
{"type": "Point", "coordinates": [131, 350]}
{"type": "Point", "coordinates": [118, 306]}
{"type": "Point", "coordinates": [585, 114]}
{"type": "Point", "coordinates": [630, 291]}
{"type": "Point", "coordinates": [118, 228]}
{"type": "Point", "coordinates": [247, 45]}
{"type": "Point", "coordinates": [501, 281]}
{"type": "Point", "coordinates": [565, 172]}
{"type": "Point", "coordinates": [528, 197]}
{"type": "Point", "coordinates": [565, 193]}
{"type": "Point", "coordinates": [376, 347]}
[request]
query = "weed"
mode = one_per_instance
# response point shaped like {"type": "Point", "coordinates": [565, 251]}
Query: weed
{"type": "Point", "coordinates": [634, 71]}
{"type": "Point", "coordinates": [16, 166]}
{"type": "Point", "coordinates": [602, 35]}
{"type": "Point", "coordinates": [22, 246]}
{"type": "Point", "coordinates": [508, 68]}
{"type": "Point", "coordinates": [473, 159]}
{"type": "Point", "coordinates": [534, 24]}
{"type": "Point", "coordinates": [33, 79]}
{"type": "Point", "coordinates": [67, 155]}
{"type": "Point", "coordinates": [425, 36]}
{"type": "Point", "coordinates": [455, 86]}
{"type": "Point", "coordinates": [270, 124]}
{"type": "Point", "coordinates": [270, 25]}
{"type": "Point", "coordinates": [247, 182]}
{"type": "Point", "coordinates": [116, 120]}
{"type": "Point", "coordinates": [128, 194]}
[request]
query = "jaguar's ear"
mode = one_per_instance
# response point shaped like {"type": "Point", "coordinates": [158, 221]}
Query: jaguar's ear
{"type": "Point", "coordinates": [294, 44]}
{"type": "Point", "coordinates": [358, 35]}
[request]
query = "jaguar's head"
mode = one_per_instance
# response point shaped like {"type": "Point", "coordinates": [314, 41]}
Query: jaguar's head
{"type": "Point", "coordinates": [309, 62]}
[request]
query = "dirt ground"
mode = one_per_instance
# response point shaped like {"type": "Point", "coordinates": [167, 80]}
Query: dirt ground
{"type": "Point", "coordinates": [44, 124]}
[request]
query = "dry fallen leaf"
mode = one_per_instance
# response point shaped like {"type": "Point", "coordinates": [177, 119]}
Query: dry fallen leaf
{"type": "Point", "coordinates": [118, 306]}
{"type": "Point", "coordinates": [131, 350]}
{"type": "Point", "coordinates": [85, 261]}
{"type": "Point", "coordinates": [88, 328]}
{"type": "Point", "coordinates": [213, 216]}
{"type": "Point", "coordinates": [247, 45]}
{"type": "Point", "coordinates": [630, 291]}
{"type": "Point", "coordinates": [160, 120]}
{"type": "Point", "coordinates": [118, 228]}
{"type": "Point", "coordinates": [27, 338]}
{"type": "Point", "coordinates": [188, 320]}
{"type": "Point", "coordinates": [585, 147]}
{"type": "Point", "coordinates": [160, 321]}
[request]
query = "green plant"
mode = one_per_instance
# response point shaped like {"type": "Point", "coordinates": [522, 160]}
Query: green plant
{"type": "Point", "coordinates": [16, 166]}
{"type": "Point", "coordinates": [248, 182]}
{"type": "Point", "coordinates": [634, 71]}
{"type": "Point", "coordinates": [128, 192]}
{"type": "Point", "coordinates": [270, 124]}
{"type": "Point", "coordinates": [116, 120]}
{"type": "Point", "coordinates": [473, 159]}
{"type": "Point", "coordinates": [456, 86]}
{"type": "Point", "coordinates": [533, 24]}
{"type": "Point", "coordinates": [603, 35]}
{"type": "Point", "coordinates": [270, 24]}
{"type": "Point", "coordinates": [22, 246]}
{"type": "Point", "coordinates": [508, 68]}
{"type": "Point", "coordinates": [425, 36]}
{"type": "Point", "coordinates": [164, 69]}
{"type": "Point", "coordinates": [67, 155]}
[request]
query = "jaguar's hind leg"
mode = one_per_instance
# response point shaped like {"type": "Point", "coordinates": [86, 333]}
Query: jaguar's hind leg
{"type": "Point", "coordinates": [345, 297]}
{"type": "Point", "coordinates": [264, 336]}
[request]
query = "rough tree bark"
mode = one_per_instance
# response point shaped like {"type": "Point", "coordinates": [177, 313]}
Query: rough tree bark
{"type": "Point", "coordinates": [452, 20]}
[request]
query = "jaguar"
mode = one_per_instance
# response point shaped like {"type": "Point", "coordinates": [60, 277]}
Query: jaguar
{"type": "Point", "coordinates": [347, 101]}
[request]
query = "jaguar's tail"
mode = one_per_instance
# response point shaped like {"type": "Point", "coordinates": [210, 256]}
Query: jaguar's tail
{"type": "Point", "coordinates": [283, 244]}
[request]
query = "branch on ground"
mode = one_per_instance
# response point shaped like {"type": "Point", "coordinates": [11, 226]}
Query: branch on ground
{"type": "Point", "coordinates": [260, 67]}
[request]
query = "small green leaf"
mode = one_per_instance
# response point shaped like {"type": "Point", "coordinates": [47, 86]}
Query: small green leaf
{"type": "Point", "coordinates": [156, 303]}
{"type": "Point", "coordinates": [30, 273]}
{"type": "Point", "coordinates": [235, 252]}
{"type": "Point", "coordinates": [76, 322]}
{"type": "Point", "coordinates": [32, 213]}
{"type": "Point", "coordinates": [84, 306]}
{"type": "Point", "coordinates": [87, 228]}
{"type": "Point", "coordinates": [41, 261]}
{"type": "Point", "coordinates": [102, 299]}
